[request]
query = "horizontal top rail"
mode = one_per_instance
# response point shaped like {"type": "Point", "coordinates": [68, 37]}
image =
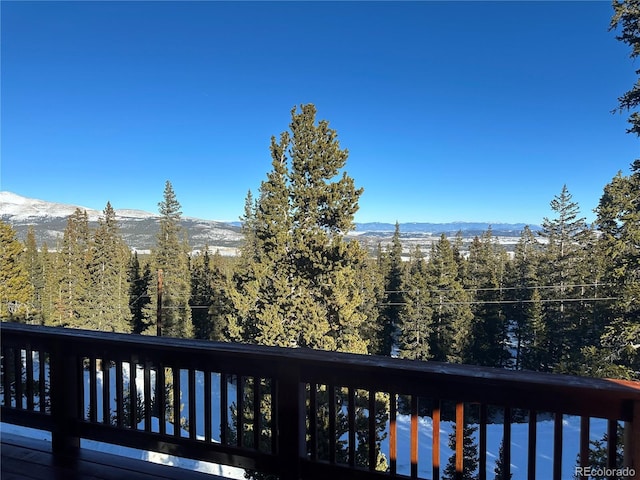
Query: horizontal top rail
{"type": "Point", "coordinates": [603, 398]}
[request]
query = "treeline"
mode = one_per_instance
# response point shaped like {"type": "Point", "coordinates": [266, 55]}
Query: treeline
{"type": "Point", "coordinates": [567, 299]}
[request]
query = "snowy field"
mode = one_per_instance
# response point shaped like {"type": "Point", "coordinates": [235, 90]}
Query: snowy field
{"type": "Point", "coordinates": [519, 437]}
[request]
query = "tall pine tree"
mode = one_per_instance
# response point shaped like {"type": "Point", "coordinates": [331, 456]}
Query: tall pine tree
{"type": "Point", "coordinates": [16, 290]}
{"type": "Point", "coordinates": [107, 265]}
{"type": "Point", "coordinates": [298, 280]}
{"type": "Point", "coordinates": [170, 269]}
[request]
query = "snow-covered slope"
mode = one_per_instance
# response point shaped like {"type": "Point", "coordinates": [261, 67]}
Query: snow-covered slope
{"type": "Point", "coordinates": [138, 227]}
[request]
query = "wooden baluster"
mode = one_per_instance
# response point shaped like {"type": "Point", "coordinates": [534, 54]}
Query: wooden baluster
{"type": "Point", "coordinates": [146, 380]}
{"type": "Point", "coordinates": [413, 446]}
{"type": "Point", "coordinates": [161, 397]}
{"type": "Point", "coordinates": [223, 409]}
{"type": "Point", "coordinates": [351, 414]}
{"type": "Point", "coordinates": [119, 394]}
{"type": "Point", "coordinates": [531, 447]}
{"type": "Point", "coordinates": [482, 460]}
{"type": "Point", "coordinates": [506, 443]}
{"type": "Point", "coordinates": [557, 446]}
{"type": "Point", "coordinates": [192, 404]}
{"type": "Point", "coordinates": [435, 441]}
{"type": "Point", "coordinates": [93, 390]}
{"type": "Point", "coordinates": [313, 421]}
{"type": "Point", "coordinates": [29, 362]}
{"type": "Point", "coordinates": [177, 421]}
{"type": "Point", "coordinates": [106, 391]}
{"type": "Point", "coordinates": [240, 410]}
{"type": "Point", "coordinates": [373, 454]}
{"type": "Point", "coordinates": [584, 443]}
{"type": "Point", "coordinates": [393, 433]}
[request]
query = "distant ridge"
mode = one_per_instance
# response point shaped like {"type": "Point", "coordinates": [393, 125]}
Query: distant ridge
{"type": "Point", "coordinates": [437, 228]}
{"type": "Point", "coordinates": [139, 228]}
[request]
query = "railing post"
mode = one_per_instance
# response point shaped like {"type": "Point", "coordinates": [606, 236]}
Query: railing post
{"type": "Point", "coordinates": [291, 424]}
{"type": "Point", "coordinates": [632, 443]}
{"type": "Point", "coordinates": [66, 372]}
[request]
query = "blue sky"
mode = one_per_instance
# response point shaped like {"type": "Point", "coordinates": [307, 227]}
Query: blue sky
{"type": "Point", "coordinates": [475, 111]}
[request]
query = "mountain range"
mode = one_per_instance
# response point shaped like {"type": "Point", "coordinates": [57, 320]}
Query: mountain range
{"type": "Point", "coordinates": [139, 228]}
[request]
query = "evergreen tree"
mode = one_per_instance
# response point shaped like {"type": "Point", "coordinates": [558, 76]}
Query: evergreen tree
{"type": "Point", "coordinates": [107, 266]}
{"type": "Point", "coordinates": [565, 263]}
{"type": "Point", "coordinates": [626, 17]}
{"type": "Point", "coordinates": [417, 314]}
{"type": "Point", "coordinates": [201, 294]}
{"type": "Point", "coordinates": [485, 278]}
{"type": "Point", "coordinates": [139, 299]}
{"type": "Point", "coordinates": [52, 286]}
{"type": "Point", "coordinates": [74, 301]}
{"type": "Point", "coordinates": [500, 474]}
{"type": "Point", "coordinates": [618, 220]}
{"type": "Point", "coordinates": [393, 296]}
{"type": "Point", "coordinates": [469, 453]}
{"type": "Point", "coordinates": [170, 260]}
{"type": "Point", "coordinates": [16, 290]}
{"type": "Point", "coordinates": [34, 265]}
{"type": "Point", "coordinates": [297, 283]}
{"type": "Point", "coordinates": [523, 281]}
{"type": "Point", "coordinates": [220, 305]}
{"type": "Point", "coordinates": [451, 305]}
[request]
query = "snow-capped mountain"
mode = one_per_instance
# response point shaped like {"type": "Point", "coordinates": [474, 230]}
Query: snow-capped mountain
{"type": "Point", "coordinates": [138, 227]}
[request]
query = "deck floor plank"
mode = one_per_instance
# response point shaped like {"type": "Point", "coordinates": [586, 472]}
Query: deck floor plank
{"type": "Point", "coordinates": [30, 459]}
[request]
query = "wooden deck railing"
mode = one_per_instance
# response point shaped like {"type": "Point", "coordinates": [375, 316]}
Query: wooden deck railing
{"type": "Point", "coordinates": [290, 413]}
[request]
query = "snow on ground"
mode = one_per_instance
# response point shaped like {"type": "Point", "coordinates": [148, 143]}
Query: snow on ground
{"type": "Point", "coordinates": [519, 436]}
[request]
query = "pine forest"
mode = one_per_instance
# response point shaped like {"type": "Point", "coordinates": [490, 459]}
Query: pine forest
{"type": "Point", "coordinates": [566, 300]}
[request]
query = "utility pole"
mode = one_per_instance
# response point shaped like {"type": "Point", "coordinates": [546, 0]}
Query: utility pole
{"type": "Point", "coordinates": [159, 309]}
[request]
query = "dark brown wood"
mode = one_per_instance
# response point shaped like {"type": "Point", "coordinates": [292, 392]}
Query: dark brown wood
{"type": "Point", "coordinates": [161, 397]}
{"type": "Point", "coordinates": [532, 445]}
{"type": "Point", "coordinates": [435, 441]}
{"type": "Point", "coordinates": [177, 420]}
{"type": "Point", "coordinates": [393, 433]}
{"type": "Point", "coordinates": [482, 446]}
{"type": "Point", "coordinates": [106, 390]}
{"type": "Point", "coordinates": [133, 393]}
{"type": "Point", "coordinates": [207, 406]}
{"type": "Point", "coordinates": [30, 459]}
{"type": "Point", "coordinates": [119, 395]}
{"type": "Point", "coordinates": [351, 419]}
{"type": "Point", "coordinates": [371, 435]}
{"type": "Point", "coordinates": [584, 443]}
{"type": "Point", "coordinates": [313, 422]}
{"type": "Point", "coordinates": [612, 443]}
{"type": "Point", "coordinates": [29, 379]}
{"type": "Point", "coordinates": [413, 442]}
{"type": "Point", "coordinates": [331, 394]}
{"type": "Point", "coordinates": [6, 374]}
{"type": "Point", "coordinates": [192, 404]}
{"type": "Point", "coordinates": [66, 381]}
{"type": "Point", "coordinates": [93, 390]}
{"type": "Point", "coordinates": [224, 402]}
{"type": "Point", "coordinates": [557, 446]}
{"type": "Point", "coordinates": [42, 380]}
{"type": "Point", "coordinates": [146, 380]}
{"type": "Point", "coordinates": [257, 417]}
{"type": "Point", "coordinates": [240, 410]}
{"type": "Point", "coordinates": [506, 438]}
{"type": "Point", "coordinates": [287, 371]}
{"type": "Point", "coordinates": [17, 379]}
